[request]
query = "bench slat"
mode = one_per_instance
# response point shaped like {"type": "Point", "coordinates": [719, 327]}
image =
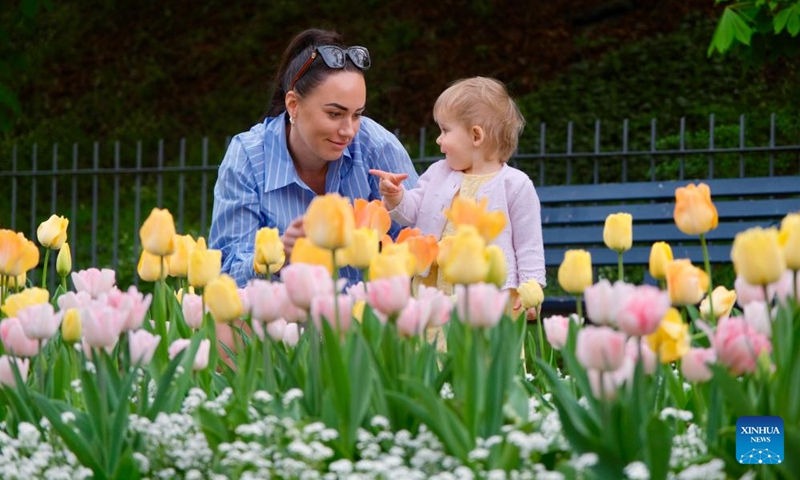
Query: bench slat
{"type": "Point", "coordinates": [640, 255]}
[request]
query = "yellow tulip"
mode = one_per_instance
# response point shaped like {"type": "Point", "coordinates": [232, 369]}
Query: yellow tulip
{"type": "Point", "coordinates": [26, 298]}
{"type": "Point", "coordinates": [71, 326]}
{"type": "Point", "coordinates": [722, 301]}
{"type": "Point", "coordinates": [204, 264]}
{"type": "Point", "coordinates": [671, 340]}
{"type": "Point", "coordinates": [222, 299]}
{"type": "Point", "coordinates": [305, 251]}
{"type": "Point", "coordinates": [660, 256]}
{"type": "Point", "coordinates": [152, 267]}
{"type": "Point", "coordinates": [52, 233]}
{"type": "Point", "coordinates": [179, 260]}
{"type": "Point", "coordinates": [530, 294]}
{"type": "Point", "coordinates": [575, 272]}
{"type": "Point", "coordinates": [424, 248]}
{"type": "Point", "coordinates": [465, 211]}
{"type": "Point", "coordinates": [694, 211]}
{"type": "Point", "coordinates": [179, 293]}
{"type": "Point", "coordinates": [358, 310]}
{"type": "Point", "coordinates": [361, 250]}
{"type": "Point", "coordinates": [385, 265]}
{"type": "Point", "coordinates": [64, 261]}
{"type": "Point", "coordinates": [158, 233]}
{"type": "Point", "coordinates": [18, 281]}
{"type": "Point", "coordinates": [466, 261]}
{"type": "Point", "coordinates": [686, 283]}
{"type": "Point", "coordinates": [757, 256]}
{"type": "Point", "coordinates": [17, 254]}
{"type": "Point", "coordinates": [268, 247]}
{"type": "Point", "coordinates": [498, 270]}
{"type": "Point", "coordinates": [403, 253]}
{"type": "Point", "coordinates": [790, 240]}
{"type": "Point", "coordinates": [444, 249]}
{"type": "Point", "coordinates": [372, 215]}
{"type": "Point", "coordinates": [618, 232]}
{"type": "Point", "coordinates": [329, 221]}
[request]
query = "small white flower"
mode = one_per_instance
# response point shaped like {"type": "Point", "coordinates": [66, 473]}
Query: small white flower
{"type": "Point", "coordinates": [637, 471]}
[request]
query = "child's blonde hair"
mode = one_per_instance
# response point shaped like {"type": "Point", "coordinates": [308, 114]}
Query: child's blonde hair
{"type": "Point", "coordinates": [484, 102]}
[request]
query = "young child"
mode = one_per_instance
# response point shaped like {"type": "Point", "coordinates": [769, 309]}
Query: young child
{"type": "Point", "coordinates": [480, 126]}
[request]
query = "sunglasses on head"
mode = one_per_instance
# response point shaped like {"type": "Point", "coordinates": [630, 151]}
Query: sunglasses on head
{"type": "Point", "coordinates": [336, 57]}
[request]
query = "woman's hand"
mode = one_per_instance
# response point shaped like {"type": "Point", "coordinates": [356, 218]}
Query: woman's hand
{"type": "Point", "coordinates": [390, 187]}
{"type": "Point", "coordinates": [294, 231]}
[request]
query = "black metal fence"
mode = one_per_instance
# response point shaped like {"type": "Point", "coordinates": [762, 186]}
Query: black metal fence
{"type": "Point", "coordinates": [107, 189]}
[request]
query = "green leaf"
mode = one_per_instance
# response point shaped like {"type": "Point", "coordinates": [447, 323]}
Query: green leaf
{"type": "Point", "coordinates": [793, 25]}
{"type": "Point", "coordinates": [781, 18]}
{"type": "Point", "coordinates": [213, 427]}
{"type": "Point", "coordinates": [657, 442]}
{"type": "Point", "coordinates": [361, 385]}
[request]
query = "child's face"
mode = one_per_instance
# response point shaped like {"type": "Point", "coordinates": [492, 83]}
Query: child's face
{"type": "Point", "coordinates": [456, 143]}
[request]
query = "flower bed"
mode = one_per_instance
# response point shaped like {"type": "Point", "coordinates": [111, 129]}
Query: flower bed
{"type": "Point", "coordinates": [303, 379]}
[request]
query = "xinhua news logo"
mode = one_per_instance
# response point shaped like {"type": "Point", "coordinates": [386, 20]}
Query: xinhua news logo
{"type": "Point", "coordinates": [759, 440]}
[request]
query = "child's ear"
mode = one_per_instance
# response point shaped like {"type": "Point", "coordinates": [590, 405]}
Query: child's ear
{"type": "Point", "coordinates": [478, 135]}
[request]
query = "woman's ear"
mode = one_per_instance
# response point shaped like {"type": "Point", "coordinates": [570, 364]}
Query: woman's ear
{"type": "Point", "coordinates": [291, 103]}
{"type": "Point", "coordinates": [478, 135]}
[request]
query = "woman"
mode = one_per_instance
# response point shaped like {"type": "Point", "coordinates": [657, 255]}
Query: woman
{"type": "Point", "coordinates": [314, 140]}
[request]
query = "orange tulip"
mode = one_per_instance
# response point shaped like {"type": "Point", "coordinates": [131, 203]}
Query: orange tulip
{"type": "Point", "coordinates": [329, 221]}
{"type": "Point", "coordinates": [694, 212]}
{"type": "Point", "coordinates": [305, 251]}
{"type": "Point", "coordinates": [423, 248]}
{"type": "Point", "coordinates": [686, 283]}
{"type": "Point", "coordinates": [372, 215]}
{"type": "Point", "coordinates": [465, 211]}
{"type": "Point", "coordinates": [17, 254]}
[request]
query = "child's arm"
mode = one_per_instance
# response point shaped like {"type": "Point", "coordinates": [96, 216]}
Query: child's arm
{"type": "Point", "coordinates": [524, 211]}
{"type": "Point", "coordinates": [390, 187]}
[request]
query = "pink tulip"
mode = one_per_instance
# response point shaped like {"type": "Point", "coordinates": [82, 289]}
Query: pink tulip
{"type": "Point", "coordinates": [268, 300]}
{"type": "Point", "coordinates": [142, 345]}
{"type": "Point", "coordinates": [304, 282]}
{"type": "Point", "coordinates": [102, 325]}
{"type": "Point", "coordinates": [193, 310]}
{"type": "Point", "coordinates": [784, 288]}
{"type": "Point", "coordinates": [276, 329]}
{"type": "Point", "coordinates": [201, 357]}
{"type": "Point", "coordinates": [694, 365]}
{"type": "Point", "coordinates": [7, 372]}
{"type": "Point", "coordinates": [413, 318]}
{"type": "Point", "coordinates": [322, 307]}
{"type": "Point", "coordinates": [39, 322]}
{"type": "Point", "coordinates": [132, 302]}
{"type": "Point", "coordinates": [604, 300]}
{"type": "Point", "coordinates": [746, 293]}
{"type": "Point", "coordinates": [73, 300]}
{"type": "Point", "coordinates": [294, 314]}
{"type": "Point", "coordinates": [757, 315]}
{"type": "Point", "coordinates": [93, 281]}
{"type": "Point", "coordinates": [556, 329]}
{"type": "Point", "coordinates": [440, 305]}
{"type": "Point", "coordinates": [291, 335]}
{"type": "Point", "coordinates": [600, 348]}
{"type": "Point", "coordinates": [389, 295]}
{"type": "Point", "coordinates": [358, 292]}
{"type": "Point", "coordinates": [641, 313]}
{"type": "Point", "coordinates": [14, 339]}
{"type": "Point", "coordinates": [738, 345]}
{"type": "Point", "coordinates": [612, 380]}
{"type": "Point", "coordinates": [245, 299]}
{"type": "Point", "coordinates": [649, 359]}
{"type": "Point", "coordinates": [486, 304]}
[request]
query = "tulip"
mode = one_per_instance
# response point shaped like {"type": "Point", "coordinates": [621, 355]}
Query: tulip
{"type": "Point", "coordinates": [686, 283]}
{"type": "Point", "coordinates": [401, 251]}
{"type": "Point", "coordinates": [600, 348]}
{"type": "Point", "coordinates": [790, 240]}
{"type": "Point", "coordinates": [152, 267]}
{"type": "Point", "coordinates": [361, 250]}
{"type": "Point", "coordinates": [268, 248]}
{"type": "Point", "coordinates": [649, 360]}
{"type": "Point", "coordinates": [93, 281]}
{"type": "Point", "coordinates": [222, 299]}
{"type": "Point", "coordinates": [7, 376]}
{"type": "Point", "coordinates": [498, 270]}
{"type": "Point", "coordinates": [530, 294]}
{"type": "Point", "coordinates": [291, 335]}
{"type": "Point", "coordinates": [575, 272]}
{"type": "Point", "coordinates": [179, 260]}
{"type": "Point", "coordinates": [660, 256]}
{"type": "Point", "coordinates": [671, 340]}
{"type": "Point", "coordinates": [322, 306]}
{"type": "Point", "coordinates": [424, 248]}
{"type": "Point", "coordinates": [605, 385]}
{"type": "Point", "coordinates": [465, 211]}
{"type": "Point", "coordinates": [14, 339]}
{"type": "Point", "coordinates": [268, 300]}
{"type": "Point", "coordinates": [556, 330]}
{"type": "Point", "coordinates": [64, 261]}
{"type": "Point", "coordinates": [192, 308]}
{"type": "Point", "coordinates": [26, 298]}
{"type": "Point", "coordinates": [201, 356]}
{"type": "Point", "coordinates": [303, 282]}
{"type": "Point", "coordinates": [133, 303]}
{"type": "Point", "coordinates": [39, 322]}
{"type": "Point", "coordinates": [404, 235]}
{"type": "Point", "coordinates": [52, 233]}
{"type": "Point", "coordinates": [440, 305]}
{"type": "Point", "coordinates": [71, 327]}
{"type": "Point", "coordinates": [695, 214]}
{"type": "Point", "coordinates": [17, 254]}
{"type": "Point", "coordinates": [413, 318]}
{"type": "Point", "coordinates": [102, 325]}
{"type": "Point", "coordinates": [618, 232]}
{"type": "Point", "coordinates": [204, 264]}
{"type": "Point", "coordinates": [305, 251]}
{"type": "Point", "coordinates": [604, 300]}
{"type": "Point", "coordinates": [389, 295]}
{"type": "Point", "coordinates": [157, 233]}
{"type": "Point", "coordinates": [372, 215]}
{"type": "Point", "coordinates": [738, 345]}
{"type": "Point", "coordinates": [642, 312]}
{"type": "Point", "coordinates": [482, 305]}
{"type": "Point", "coordinates": [466, 261]}
{"type": "Point", "coordinates": [694, 365]}
{"type": "Point", "coordinates": [329, 221]}
{"type": "Point", "coordinates": [757, 315]}
{"type": "Point", "coordinates": [142, 345]}
{"type": "Point", "coordinates": [722, 301]}
{"type": "Point", "coordinates": [757, 256]}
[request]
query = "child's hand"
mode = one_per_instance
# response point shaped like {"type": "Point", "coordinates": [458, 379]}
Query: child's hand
{"type": "Point", "coordinates": [390, 187]}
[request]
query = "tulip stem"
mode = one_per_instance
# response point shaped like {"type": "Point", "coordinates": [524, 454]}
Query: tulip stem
{"type": "Point", "coordinates": [708, 272]}
{"type": "Point", "coordinates": [579, 306]}
{"type": "Point", "coordinates": [767, 302]}
{"type": "Point", "coordinates": [620, 270]}
{"type": "Point", "coordinates": [541, 331]}
{"type": "Point", "coordinates": [795, 273]}
{"type": "Point", "coordinates": [64, 283]}
{"type": "Point", "coordinates": [335, 295]}
{"type": "Point", "coordinates": [45, 268]}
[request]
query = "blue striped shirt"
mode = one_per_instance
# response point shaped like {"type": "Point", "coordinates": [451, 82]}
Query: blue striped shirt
{"type": "Point", "coordinates": [258, 186]}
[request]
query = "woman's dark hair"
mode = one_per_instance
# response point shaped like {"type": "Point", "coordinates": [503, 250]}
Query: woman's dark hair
{"type": "Point", "coordinates": [296, 54]}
